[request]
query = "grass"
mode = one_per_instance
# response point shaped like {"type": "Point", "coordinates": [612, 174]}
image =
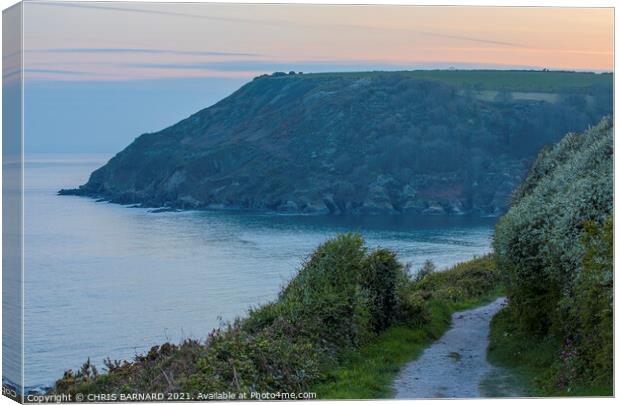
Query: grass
{"type": "Point", "coordinates": [369, 372]}
{"type": "Point", "coordinates": [507, 80]}
{"type": "Point", "coordinates": [532, 360]}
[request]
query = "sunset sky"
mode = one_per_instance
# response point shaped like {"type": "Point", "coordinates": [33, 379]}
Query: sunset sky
{"type": "Point", "coordinates": [147, 65]}
{"type": "Point", "coordinates": [116, 41]}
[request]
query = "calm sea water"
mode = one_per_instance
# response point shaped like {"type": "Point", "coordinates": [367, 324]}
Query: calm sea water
{"type": "Point", "coordinates": [106, 280]}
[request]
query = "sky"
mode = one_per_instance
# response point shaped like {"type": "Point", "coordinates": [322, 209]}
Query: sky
{"type": "Point", "coordinates": [97, 75]}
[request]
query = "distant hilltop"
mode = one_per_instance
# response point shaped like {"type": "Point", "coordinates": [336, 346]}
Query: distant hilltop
{"type": "Point", "coordinates": [412, 142]}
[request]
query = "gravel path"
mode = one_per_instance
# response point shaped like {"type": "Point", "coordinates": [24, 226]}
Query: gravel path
{"type": "Point", "coordinates": [455, 366]}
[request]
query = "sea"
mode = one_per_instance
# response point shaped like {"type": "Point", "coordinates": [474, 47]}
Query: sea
{"type": "Point", "coordinates": [108, 281]}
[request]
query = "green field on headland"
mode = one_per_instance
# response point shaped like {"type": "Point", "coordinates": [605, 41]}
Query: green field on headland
{"type": "Point", "coordinates": [507, 80]}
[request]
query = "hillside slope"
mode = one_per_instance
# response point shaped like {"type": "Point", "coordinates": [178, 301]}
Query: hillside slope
{"type": "Point", "coordinates": [362, 143]}
{"type": "Point", "coordinates": [555, 247]}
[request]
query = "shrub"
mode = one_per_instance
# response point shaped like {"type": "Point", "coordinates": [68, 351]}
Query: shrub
{"type": "Point", "coordinates": [427, 268]}
{"type": "Point", "coordinates": [380, 276]}
{"type": "Point", "coordinates": [555, 254]}
{"type": "Point", "coordinates": [593, 309]}
{"type": "Point", "coordinates": [414, 310]}
{"type": "Point", "coordinates": [464, 281]}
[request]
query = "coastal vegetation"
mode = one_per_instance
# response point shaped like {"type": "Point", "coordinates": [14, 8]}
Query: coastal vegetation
{"type": "Point", "coordinates": [341, 327]}
{"type": "Point", "coordinates": [555, 250]}
{"type": "Point", "coordinates": [437, 142]}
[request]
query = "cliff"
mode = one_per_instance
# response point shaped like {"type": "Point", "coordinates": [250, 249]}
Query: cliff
{"type": "Point", "coordinates": [444, 142]}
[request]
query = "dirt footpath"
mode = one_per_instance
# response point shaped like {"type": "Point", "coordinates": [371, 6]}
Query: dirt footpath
{"type": "Point", "coordinates": [455, 366]}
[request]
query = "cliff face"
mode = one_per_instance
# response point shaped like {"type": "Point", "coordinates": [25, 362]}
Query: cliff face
{"type": "Point", "coordinates": [371, 143]}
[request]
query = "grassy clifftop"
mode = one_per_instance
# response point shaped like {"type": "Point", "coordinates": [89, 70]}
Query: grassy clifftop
{"type": "Point", "coordinates": [506, 80]}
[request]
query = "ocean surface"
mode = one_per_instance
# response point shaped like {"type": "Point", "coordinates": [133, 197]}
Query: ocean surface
{"type": "Point", "coordinates": [104, 280]}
